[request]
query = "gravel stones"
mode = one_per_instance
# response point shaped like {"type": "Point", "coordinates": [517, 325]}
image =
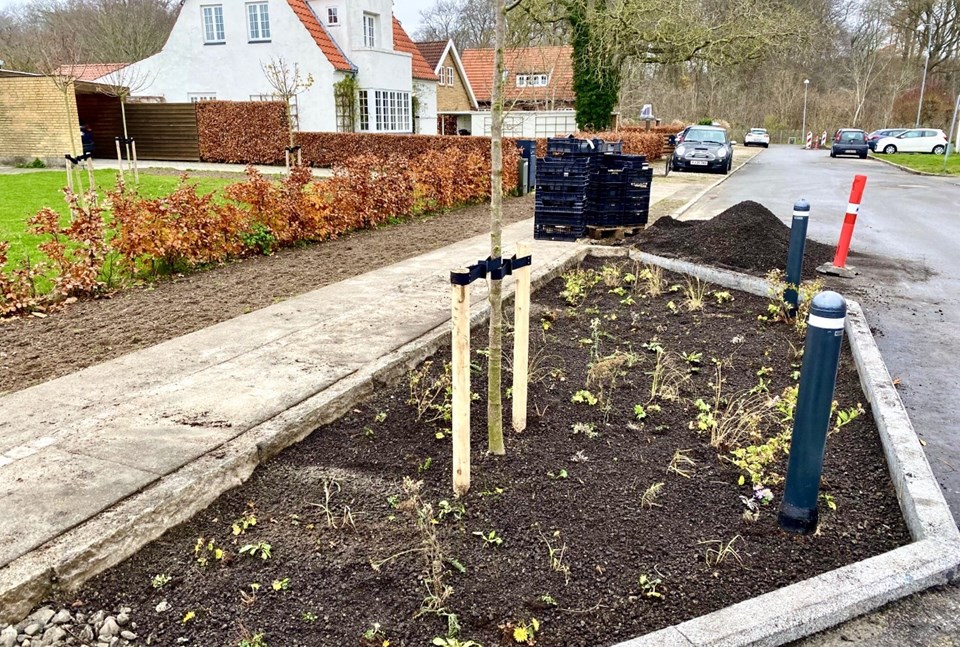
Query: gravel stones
{"type": "Point", "coordinates": [47, 627]}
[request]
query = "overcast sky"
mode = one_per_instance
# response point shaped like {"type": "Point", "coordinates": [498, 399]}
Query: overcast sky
{"type": "Point", "coordinates": [408, 11]}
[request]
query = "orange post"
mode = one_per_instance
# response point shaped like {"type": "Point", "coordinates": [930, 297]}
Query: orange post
{"type": "Point", "coordinates": [853, 208]}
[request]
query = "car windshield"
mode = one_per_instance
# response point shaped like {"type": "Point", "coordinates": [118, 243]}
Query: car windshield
{"type": "Point", "coordinates": [706, 136]}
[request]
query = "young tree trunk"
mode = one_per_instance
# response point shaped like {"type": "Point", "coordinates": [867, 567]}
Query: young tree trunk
{"type": "Point", "coordinates": [494, 401]}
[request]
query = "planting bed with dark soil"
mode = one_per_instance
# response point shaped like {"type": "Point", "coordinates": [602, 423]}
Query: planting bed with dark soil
{"type": "Point", "coordinates": [579, 542]}
{"type": "Point", "coordinates": [747, 237]}
{"type": "Point", "coordinates": [34, 350]}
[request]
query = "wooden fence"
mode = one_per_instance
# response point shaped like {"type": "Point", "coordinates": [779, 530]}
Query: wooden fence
{"type": "Point", "coordinates": [164, 131]}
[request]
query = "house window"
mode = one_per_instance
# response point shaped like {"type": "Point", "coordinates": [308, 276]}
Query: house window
{"type": "Point", "coordinates": [522, 80]}
{"type": "Point", "coordinates": [363, 105]}
{"type": "Point", "coordinates": [369, 30]}
{"type": "Point", "coordinates": [449, 72]}
{"type": "Point", "coordinates": [539, 80]}
{"type": "Point", "coordinates": [196, 97]}
{"type": "Point", "coordinates": [258, 21]}
{"type": "Point", "coordinates": [333, 16]}
{"type": "Point", "coordinates": [213, 24]}
{"type": "Point", "coordinates": [385, 111]}
{"type": "Point", "coordinates": [294, 108]}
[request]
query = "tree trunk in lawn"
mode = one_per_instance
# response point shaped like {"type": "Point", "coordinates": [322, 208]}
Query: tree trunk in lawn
{"type": "Point", "coordinates": [494, 401]}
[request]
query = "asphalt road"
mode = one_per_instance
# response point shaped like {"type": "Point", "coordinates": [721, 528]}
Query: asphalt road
{"type": "Point", "coordinates": [907, 248]}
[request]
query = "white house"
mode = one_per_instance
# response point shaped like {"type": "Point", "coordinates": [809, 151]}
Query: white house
{"type": "Point", "coordinates": [217, 50]}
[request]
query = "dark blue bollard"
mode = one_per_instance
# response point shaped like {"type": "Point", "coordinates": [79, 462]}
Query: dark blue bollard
{"type": "Point", "coordinates": [798, 239]}
{"type": "Point", "coordinates": [818, 378]}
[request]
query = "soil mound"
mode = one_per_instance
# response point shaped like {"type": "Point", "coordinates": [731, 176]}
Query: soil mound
{"type": "Point", "coordinates": [746, 237]}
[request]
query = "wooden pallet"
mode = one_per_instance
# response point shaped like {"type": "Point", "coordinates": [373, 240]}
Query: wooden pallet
{"type": "Point", "coordinates": [617, 233]}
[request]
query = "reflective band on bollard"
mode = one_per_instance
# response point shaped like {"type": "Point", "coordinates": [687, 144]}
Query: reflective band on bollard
{"type": "Point", "coordinates": [798, 239]}
{"type": "Point", "coordinates": [818, 378]}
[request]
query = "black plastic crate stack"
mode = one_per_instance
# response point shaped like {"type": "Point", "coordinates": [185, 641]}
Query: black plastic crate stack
{"type": "Point", "coordinates": [581, 185]}
{"type": "Point", "coordinates": [636, 196]}
{"type": "Point", "coordinates": [563, 182]}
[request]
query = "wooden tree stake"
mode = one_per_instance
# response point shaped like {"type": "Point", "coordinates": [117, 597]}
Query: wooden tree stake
{"type": "Point", "coordinates": [136, 167]}
{"type": "Point", "coordinates": [521, 340]}
{"type": "Point", "coordinates": [460, 316]}
{"type": "Point", "coordinates": [69, 175]}
{"type": "Point", "coordinates": [119, 158]}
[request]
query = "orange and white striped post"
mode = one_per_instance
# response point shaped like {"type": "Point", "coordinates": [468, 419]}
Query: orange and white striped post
{"type": "Point", "coordinates": [849, 220]}
{"type": "Point", "coordinates": [809, 140]}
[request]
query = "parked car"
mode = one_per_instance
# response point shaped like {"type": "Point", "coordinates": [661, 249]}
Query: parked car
{"type": "Point", "coordinates": [758, 136]}
{"type": "Point", "coordinates": [915, 140]}
{"type": "Point", "coordinates": [877, 135]}
{"type": "Point", "coordinates": [850, 141]}
{"type": "Point", "coordinates": [704, 148]}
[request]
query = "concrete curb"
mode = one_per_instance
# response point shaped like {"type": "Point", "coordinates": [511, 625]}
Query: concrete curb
{"type": "Point", "coordinates": [907, 169]}
{"type": "Point", "coordinates": [770, 619]}
{"type": "Point", "coordinates": [695, 199]}
{"type": "Point", "coordinates": [820, 602]}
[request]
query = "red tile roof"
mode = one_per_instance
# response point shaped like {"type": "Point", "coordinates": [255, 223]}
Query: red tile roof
{"type": "Point", "coordinates": [320, 36]}
{"type": "Point", "coordinates": [432, 51]}
{"type": "Point", "coordinates": [402, 43]}
{"type": "Point", "coordinates": [89, 71]}
{"type": "Point", "coordinates": [555, 61]}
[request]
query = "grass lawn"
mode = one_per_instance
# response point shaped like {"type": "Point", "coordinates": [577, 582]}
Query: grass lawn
{"type": "Point", "coordinates": [924, 162]}
{"type": "Point", "coordinates": [22, 195]}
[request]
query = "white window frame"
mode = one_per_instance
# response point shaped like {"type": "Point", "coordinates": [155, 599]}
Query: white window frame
{"type": "Point", "coordinates": [371, 23]}
{"type": "Point", "coordinates": [522, 80]}
{"type": "Point", "coordinates": [258, 21]}
{"type": "Point", "coordinates": [385, 111]}
{"type": "Point", "coordinates": [333, 16]}
{"type": "Point", "coordinates": [449, 76]}
{"type": "Point", "coordinates": [197, 97]}
{"type": "Point", "coordinates": [539, 80]}
{"type": "Point", "coordinates": [214, 32]}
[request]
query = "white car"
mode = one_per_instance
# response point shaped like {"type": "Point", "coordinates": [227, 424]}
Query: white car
{"type": "Point", "coordinates": [915, 140]}
{"type": "Point", "coordinates": [758, 136]}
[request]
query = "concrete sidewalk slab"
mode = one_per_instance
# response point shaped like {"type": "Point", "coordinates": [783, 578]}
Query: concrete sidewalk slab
{"type": "Point", "coordinates": [175, 406]}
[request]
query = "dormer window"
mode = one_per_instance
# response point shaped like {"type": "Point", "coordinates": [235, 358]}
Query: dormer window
{"type": "Point", "coordinates": [333, 16]}
{"type": "Point", "coordinates": [539, 80]}
{"type": "Point", "coordinates": [522, 80]}
{"type": "Point", "coordinates": [370, 30]}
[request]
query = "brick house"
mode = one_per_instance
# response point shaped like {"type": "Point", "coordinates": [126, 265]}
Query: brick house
{"type": "Point", "coordinates": [538, 90]}
{"type": "Point", "coordinates": [455, 97]}
{"type": "Point", "coordinates": [37, 120]}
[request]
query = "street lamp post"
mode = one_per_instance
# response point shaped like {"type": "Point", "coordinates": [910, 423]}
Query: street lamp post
{"type": "Point", "coordinates": [803, 129]}
{"type": "Point", "coordinates": [926, 64]}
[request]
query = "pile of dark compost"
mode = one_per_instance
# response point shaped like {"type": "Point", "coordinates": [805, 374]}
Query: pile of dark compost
{"type": "Point", "coordinates": [747, 237]}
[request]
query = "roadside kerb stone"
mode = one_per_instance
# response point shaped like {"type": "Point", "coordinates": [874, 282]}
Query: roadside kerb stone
{"type": "Point", "coordinates": [820, 602]}
{"type": "Point", "coordinates": [771, 619]}
{"type": "Point", "coordinates": [907, 169]}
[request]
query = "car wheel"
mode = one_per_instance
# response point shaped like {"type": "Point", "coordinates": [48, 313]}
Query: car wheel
{"type": "Point", "coordinates": [863, 156]}
{"type": "Point", "coordinates": [766, 145]}
{"type": "Point", "coordinates": [938, 150]}
{"type": "Point", "coordinates": [832, 154]}
{"type": "Point", "coordinates": [889, 149]}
